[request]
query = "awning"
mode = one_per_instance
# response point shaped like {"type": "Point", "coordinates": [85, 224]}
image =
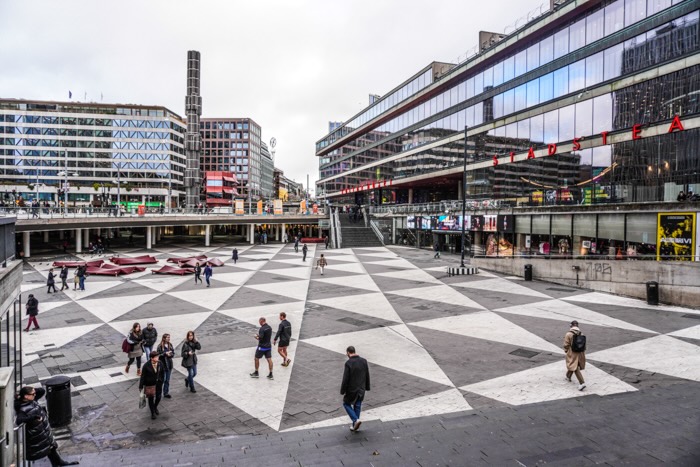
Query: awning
{"type": "Point", "coordinates": [230, 179]}
{"type": "Point", "coordinates": [228, 189]}
{"type": "Point", "coordinates": [214, 189]}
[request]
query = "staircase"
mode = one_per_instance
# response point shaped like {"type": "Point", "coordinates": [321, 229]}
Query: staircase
{"type": "Point", "coordinates": [356, 235]}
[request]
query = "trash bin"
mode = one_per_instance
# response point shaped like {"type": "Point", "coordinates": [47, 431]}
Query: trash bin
{"type": "Point", "coordinates": [142, 209]}
{"type": "Point", "coordinates": [58, 400]}
{"type": "Point", "coordinates": [528, 272]}
{"type": "Point", "coordinates": [653, 293]}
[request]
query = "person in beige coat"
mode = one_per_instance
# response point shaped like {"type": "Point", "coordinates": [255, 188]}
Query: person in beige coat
{"type": "Point", "coordinates": [575, 361]}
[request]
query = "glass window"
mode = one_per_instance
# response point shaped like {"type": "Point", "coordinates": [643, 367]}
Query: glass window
{"type": "Point", "coordinates": [561, 82]}
{"type": "Point", "coordinates": [566, 123]}
{"type": "Point", "coordinates": [498, 74]}
{"type": "Point", "coordinates": [520, 97]}
{"type": "Point", "coordinates": [470, 116]}
{"type": "Point", "coordinates": [540, 224]}
{"type": "Point", "coordinates": [508, 102]}
{"type": "Point", "coordinates": [470, 88]}
{"type": "Point", "coordinates": [522, 224]}
{"type": "Point", "coordinates": [614, 17]}
{"type": "Point", "coordinates": [612, 58]}
{"type": "Point", "coordinates": [577, 76]}
{"type": "Point", "coordinates": [524, 129]}
{"type": "Point", "coordinates": [512, 131]}
{"type": "Point", "coordinates": [561, 43]}
{"type": "Point", "coordinates": [602, 113]}
{"type": "Point", "coordinates": [498, 105]}
{"type": "Point", "coordinates": [655, 6]}
{"type": "Point", "coordinates": [533, 57]}
{"type": "Point", "coordinates": [635, 10]}
{"type": "Point", "coordinates": [508, 69]}
{"type": "Point", "coordinates": [546, 50]}
{"type": "Point", "coordinates": [594, 69]}
{"type": "Point", "coordinates": [533, 92]}
{"type": "Point", "coordinates": [584, 118]}
{"type": "Point", "coordinates": [479, 113]}
{"type": "Point", "coordinates": [577, 35]}
{"type": "Point", "coordinates": [537, 129]}
{"type": "Point", "coordinates": [561, 224]}
{"type": "Point", "coordinates": [520, 63]}
{"type": "Point", "coordinates": [602, 156]}
{"type": "Point", "coordinates": [595, 26]}
{"type": "Point", "coordinates": [488, 78]}
{"type": "Point", "coordinates": [641, 228]}
{"type": "Point", "coordinates": [478, 84]}
{"type": "Point", "coordinates": [462, 91]}
{"type": "Point", "coordinates": [551, 127]}
{"type": "Point", "coordinates": [611, 226]}
{"type": "Point", "coordinates": [546, 87]}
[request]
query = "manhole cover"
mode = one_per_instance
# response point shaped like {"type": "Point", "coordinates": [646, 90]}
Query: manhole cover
{"type": "Point", "coordinates": [268, 302]}
{"type": "Point", "coordinates": [523, 353]}
{"type": "Point", "coordinates": [353, 321]}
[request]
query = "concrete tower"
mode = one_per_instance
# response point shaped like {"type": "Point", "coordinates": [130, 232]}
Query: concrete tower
{"type": "Point", "coordinates": [193, 142]}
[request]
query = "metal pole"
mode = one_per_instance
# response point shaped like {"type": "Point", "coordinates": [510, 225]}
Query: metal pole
{"type": "Point", "coordinates": [119, 192]}
{"type": "Point", "coordinates": [464, 195]}
{"type": "Point", "coordinates": [65, 187]}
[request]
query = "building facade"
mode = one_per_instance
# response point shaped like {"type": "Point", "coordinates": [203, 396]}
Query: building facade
{"type": "Point", "coordinates": [267, 171]}
{"type": "Point", "coordinates": [592, 102]}
{"type": "Point", "coordinates": [233, 145]}
{"type": "Point", "coordinates": [221, 188]}
{"type": "Point", "coordinates": [101, 151]}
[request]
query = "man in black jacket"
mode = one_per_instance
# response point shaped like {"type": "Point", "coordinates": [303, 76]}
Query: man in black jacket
{"type": "Point", "coordinates": [284, 335]}
{"type": "Point", "coordinates": [355, 383]}
{"type": "Point", "coordinates": [264, 349]}
{"type": "Point", "coordinates": [151, 380]}
{"type": "Point", "coordinates": [150, 337]}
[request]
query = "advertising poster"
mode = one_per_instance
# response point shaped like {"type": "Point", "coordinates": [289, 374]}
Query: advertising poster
{"type": "Point", "coordinates": [490, 223]}
{"type": "Point", "coordinates": [506, 223]}
{"type": "Point", "coordinates": [426, 223]}
{"type": "Point", "coordinates": [477, 223]}
{"type": "Point", "coordinates": [239, 206]}
{"type": "Point", "coordinates": [411, 222]}
{"type": "Point", "coordinates": [676, 236]}
{"type": "Point", "coordinates": [260, 207]}
{"type": "Point", "coordinates": [447, 223]}
{"type": "Point", "coordinates": [467, 222]}
{"type": "Point", "coordinates": [278, 207]}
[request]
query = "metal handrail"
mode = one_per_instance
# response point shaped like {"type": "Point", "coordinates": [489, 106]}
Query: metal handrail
{"type": "Point", "coordinates": [376, 231]}
{"type": "Point", "coordinates": [338, 230]}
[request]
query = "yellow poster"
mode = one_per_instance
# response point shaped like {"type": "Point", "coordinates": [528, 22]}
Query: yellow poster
{"type": "Point", "coordinates": [278, 207]}
{"type": "Point", "coordinates": [302, 207]}
{"type": "Point", "coordinates": [239, 206]}
{"type": "Point", "coordinates": [675, 240]}
{"type": "Point", "coordinates": [260, 206]}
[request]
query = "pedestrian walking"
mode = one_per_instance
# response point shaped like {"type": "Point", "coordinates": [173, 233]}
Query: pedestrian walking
{"type": "Point", "coordinates": [152, 382]}
{"type": "Point", "coordinates": [234, 255]}
{"type": "Point", "coordinates": [355, 383]}
{"type": "Point", "coordinates": [264, 348]}
{"type": "Point", "coordinates": [39, 441]}
{"type": "Point", "coordinates": [436, 249]}
{"type": "Point", "coordinates": [304, 250]}
{"type": "Point", "coordinates": [208, 272]}
{"type": "Point", "coordinates": [321, 263]}
{"type": "Point", "coordinates": [32, 311]}
{"type": "Point", "coordinates": [197, 273]}
{"type": "Point", "coordinates": [167, 352]}
{"type": "Point", "coordinates": [64, 278]}
{"type": "Point", "coordinates": [51, 281]}
{"type": "Point", "coordinates": [575, 354]}
{"type": "Point", "coordinates": [296, 244]}
{"type": "Point", "coordinates": [76, 279]}
{"type": "Point", "coordinates": [326, 240]}
{"type": "Point", "coordinates": [150, 337]}
{"type": "Point", "coordinates": [284, 335]}
{"type": "Point", "coordinates": [81, 272]}
{"type": "Point", "coordinates": [135, 339]}
{"type": "Point", "coordinates": [189, 358]}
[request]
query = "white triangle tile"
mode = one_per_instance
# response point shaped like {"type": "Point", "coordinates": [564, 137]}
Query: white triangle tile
{"type": "Point", "coordinates": [489, 326]}
{"type": "Point", "coordinates": [547, 383]}
{"type": "Point", "coordinates": [298, 261]}
{"type": "Point", "coordinates": [234, 278]}
{"type": "Point", "coordinates": [250, 265]}
{"type": "Point", "coordinates": [292, 289]}
{"type": "Point", "coordinates": [564, 311]}
{"type": "Point", "coordinates": [256, 256]}
{"type": "Point", "coordinates": [334, 259]}
{"type": "Point", "coordinates": [163, 283]}
{"type": "Point", "coordinates": [215, 370]}
{"type": "Point", "coordinates": [398, 349]}
{"type": "Point", "coordinates": [35, 341]}
{"type": "Point", "coordinates": [501, 286]}
{"type": "Point", "coordinates": [392, 263]}
{"type": "Point", "coordinates": [102, 377]}
{"type": "Point", "coordinates": [251, 315]}
{"type": "Point", "coordinates": [175, 325]}
{"type": "Point", "coordinates": [91, 288]}
{"type": "Point", "coordinates": [411, 275]}
{"type": "Point", "coordinates": [209, 298]}
{"type": "Point", "coordinates": [363, 282]}
{"type": "Point", "coordinates": [348, 267]}
{"type": "Point", "coordinates": [341, 251]}
{"type": "Point", "coordinates": [658, 354]}
{"type": "Point", "coordinates": [26, 287]}
{"type": "Point", "coordinates": [48, 306]}
{"type": "Point", "coordinates": [296, 273]}
{"type": "Point", "coordinates": [690, 333]}
{"type": "Point", "coordinates": [616, 300]}
{"type": "Point", "coordinates": [372, 304]}
{"type": "Point", "coordinates": [380, 249]}
{"type": "Point", "coordinates": [445, 402]}
{"type": "Point", "coordinates": [384, 254]}
{"type": "Point", "coordinates": [439, 293]}
{"type": "Point", "coordinates": [108, 309]}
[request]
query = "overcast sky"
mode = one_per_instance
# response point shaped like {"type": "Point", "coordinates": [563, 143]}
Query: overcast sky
{"type": "Point", "coordinates": [291, 66]}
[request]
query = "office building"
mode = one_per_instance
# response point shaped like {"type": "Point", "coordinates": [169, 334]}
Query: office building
{"type": "Point", "coordinates": [267, 169]}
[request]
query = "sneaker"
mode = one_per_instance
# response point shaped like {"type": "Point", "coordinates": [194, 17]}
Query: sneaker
{"type": "Point", "coordinates": [167, 396]}
{"type": "Point", "coordinates": [581, 387]}
{"type": "Point", "coordinates": [288, 362]}
{"type": "Point", "coordinates": [254, 374]}
{"type": "Point", "coordinates": [270, 376]}
{"type": "Point", "coordinates": [357, 424]}
{"type": "Point", "coordinates": [352, 427]}
{"type": "Point", "coordinates": [193, 390]}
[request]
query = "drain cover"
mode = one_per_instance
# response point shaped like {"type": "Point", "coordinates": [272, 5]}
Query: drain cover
{"type": "Point", "coordinates": [523, 353]}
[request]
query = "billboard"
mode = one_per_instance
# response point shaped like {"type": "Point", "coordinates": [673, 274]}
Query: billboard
{"type": "Point", "coordinates": [448, 223]}
{"type": "Point", "coordinates": [239, 206]}
{"type": "Point", "coordinates": [411, 222]}
{"type": "Point", "coordinates": [505, 223]}
{"type": "Point", "coordinates": [675, 239]}
{"type": "Point", "coordinates": [278, 207]}
{"type": "Point", "coordinates": [477, 223]}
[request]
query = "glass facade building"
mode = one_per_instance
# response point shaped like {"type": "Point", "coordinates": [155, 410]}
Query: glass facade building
{"type": "Point", "coordinates": [592, 102]}
{"type": "Point", "coordinates": [97, 145]}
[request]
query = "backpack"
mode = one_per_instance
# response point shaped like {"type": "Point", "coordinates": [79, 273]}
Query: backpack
{"type": "Point", "coordinates": [578, 343]}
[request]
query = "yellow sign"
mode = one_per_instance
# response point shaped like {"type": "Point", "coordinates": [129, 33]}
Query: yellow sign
{"type": "Point", "coordinates": [302, 207]}
{"type": "Point", "coordinates": [260, 206]}
{"type": "Point", "coordinates": [239, 206]}
{"type": "Point", "coordinates": [675, 238]}
{"type": "Point", "coordinates": [278, 207]}
{"type": "Point", "coordinates": [284, 194]}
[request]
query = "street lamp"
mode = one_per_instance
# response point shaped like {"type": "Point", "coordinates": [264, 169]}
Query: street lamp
{"type": "Point", "coordinates": [464, 195]}
{"type": "Point", "coordinates": [65, 187]}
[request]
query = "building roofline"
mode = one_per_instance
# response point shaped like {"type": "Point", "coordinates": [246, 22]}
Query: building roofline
{"type": "Point", "coordinates": [87, 104]}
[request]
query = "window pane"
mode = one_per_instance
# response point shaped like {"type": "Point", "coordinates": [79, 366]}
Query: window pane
{"type": "Point", "coordinates": [602, 113]}
{"type": "Point", "coordinates": [533, 92]}
{"type": "Point", "coordinates": [561, 82]}
{"type": "Point", "coordinates": [498, 106]}
{"type": "Point", "coordinates": [584, 118]}
{"type": "Point", "coordinates": [537, 129]}
{"type": "Point", "coordinates": [655, 6]}
{"type": "Point", "coordinates": [522, 224]}
{"type": "Point", "coordinates": [508, 68]}
{"type": "Point", "coordinates": [540, 224]}
{"type": "Point", "coordinates": [508, 102]}
{"type": "Point", "coordinates": [577, 76]}
{"type": "Point", "coordinates": [520, 97]}
{"type": "Point", "coordinates": [641, 228]}
{"type": "Point", "coordinates": [577, 35]}
{"type": "Point", "coordinates": [566, 123]}
{"type": "Point", "coordinates": [546, 50]}
{"type": "Point", "coordinates": [551, 127]}
{"type": "Point", "coordinates": [498, 74]}
{"type": "Point", "coordinates": [488, 79]}
{"type": "Point", "coordinates": [533, 57]}
{"type": "Point", "coordinates": [635, 10]}
{"type": "Point", "coordinates": [561, 224]}
{"type": "Point", "coordinates": [614, 17]}
{"type": "Point", "coordinates": [612, 62]}
{"type": "Point", "coordinates": [561, 43]}
{"type": "Point", "coordinates": [479, 113]}
{"type": "Point", "coordinates": [602, 156]}
{"type": "Point", "coordinates": [470, 88]}
{"type": "Point", "coordinates": [547, 87]}
{"type": "Point", "coordinates": [611, 226]}
{"type": "Point", "coordinates": [520, 63]}
{"type": "Point", "coordinates": [524, 129]}
{"type": "Point", "coordinates": [478, 84]}
{"type": "Point", "coordinates": [595, 26]}
{"type": "Point", "coordinates": [594, 69]}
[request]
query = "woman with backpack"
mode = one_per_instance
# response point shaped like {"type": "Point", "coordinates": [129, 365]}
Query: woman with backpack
{"type": "Point", "coordinates": [575, 348]}
{"type": "Point", "coordinates": [135, 339]}
{"type": "Point", "coordinates": [189, 359]}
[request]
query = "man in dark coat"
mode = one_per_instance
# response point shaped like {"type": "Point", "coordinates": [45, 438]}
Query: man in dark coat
{"type": "Point", "coordinates": [64, 278]}
{"type": "Point", "coordinates": [51, 281]}
{"type": "Point", "coordinates": [264, 349]}
{"type": "Point", "coordinates": [39, 440]}
{"type": "Point", "coordinates": [234, 255]}
{"type": "Point", "coordinates": [150, 337]}
{"type": "Point", "coordinates": [355, 383]}
{"type": "Point", "coordinates": [284, 335]}
{"type": "Point", "coordinates": [304, 251]}
{"type": "Point", "coordinates": [32, 311]}
{"type": "Point", "coordinates": [153, 374]}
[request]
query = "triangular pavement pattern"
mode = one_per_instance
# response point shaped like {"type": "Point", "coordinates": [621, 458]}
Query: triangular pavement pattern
{"type": "Point", "coordinates": [108, 309]}
{"type": "Point", "coordinates": [501, 286]}
{"type": "Point", "coordinates": [259, 397]}
{"type": "Point", "coordinates": [439, 293]}
{"type": "Point", "coordinates": [410, 275]}
{"type": "Point", "coordinates": [250, 265]}
{"type": "Point", "coordinates": [48, 306]}
{"type": "Point", "coordinates": [690, 333]}
{"type": "Point", "coordinates": [251, 315]}
{"type": "Point", "coordinates": [37, 341]}
{"type": "Point", "coordinates": [233, 278]}
{"type": "Point", "coordinates": [91, 288]}
{"type": "Point", "coordinates": [175, 325]}
{"type": "Point", "coordinates": [363, 282]}
{"type": "Point", "coordinates": [296, 290]}
{"type": "Point", "coordinates": [564, 311]}
{"type": "Point", "coordinates": [163, 284]}
{"type": "Point", "coordinates": [210, 299]}
{"type": "Point", "coordinates": [295, 273]}
{"type": "Point", "coordinates": [658, 354]}
{"type": "Point", "coordinates": [489, 326]}
{"type": "Point", "coordinates": [373, 304]}
{"type": "Point", "coordinates": [390, 263]}
{"type": "Point", "coordinates": [347, 267]}
{"type": "Point", "coordinates": [399, 350]}
{"type": "Point", "coordinates": [382, 255]}
{"type": "Point", "coordinates": [616, 300]}
{"type": "Point", "coordinates": [547, 383]}
{"type": "Point", "coordinates": [445, 402]}
{"type": "Point", "coordinates": [342, 258]}
{"type": "Point", "coordinates": [31, 286]}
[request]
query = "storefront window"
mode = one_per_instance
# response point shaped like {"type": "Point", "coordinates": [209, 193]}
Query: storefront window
{"type": "Point", "coordinates": [641, 236]}
{"type": "Point", "coordinates": [585, 235]}
{"type": "Point", "coordinates": [522, 234]}
{"type": "Point", "coordinates": [540, 242]}
{"type": "Point", "coordinates": [561, 234]}
{"type": "Point", "coordinates": [611, 235]}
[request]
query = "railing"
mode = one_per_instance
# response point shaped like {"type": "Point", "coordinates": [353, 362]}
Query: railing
{"type": "Point", "coordinates": [19, 448]}
{"type": "Point", "coordinates": [377, 232]}
{"type": "Point", "coordinates": [11, 356]}
{"type": "Point", "coordinates": [338, 230]}
{"type": "Point", "coordinates": [434, 208]}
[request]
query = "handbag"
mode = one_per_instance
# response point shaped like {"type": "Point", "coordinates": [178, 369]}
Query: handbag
{"type": "Point", "coordinates": [150, 391]}
{"type": "Point", "coordinates": [126, 347]}
{"type": "Point", "coordinates": [142, 399]}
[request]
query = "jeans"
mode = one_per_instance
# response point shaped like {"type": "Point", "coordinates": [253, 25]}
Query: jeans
{"type": "Point", "coordinates": [354, 409]}
{"type": "Point", "coordinates": [166, 381]}
{"type": "Point", "coordinates": [191, 373]}
{"type": "Point", "coordinates": [155, 400]}
{"type": "Point", "coordinates": [32, 319]}
{"type": "Point", "coordinates": [81, 280]}
{"type": "Point", "coordinates": [147, 349]}
{"type": "Point", "coordinates": [207, 279]}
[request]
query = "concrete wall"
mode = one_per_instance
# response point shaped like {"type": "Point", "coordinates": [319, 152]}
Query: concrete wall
{"type": "Point", "coordinates": [7, 415]}
{"type": "Point", "coordinates": [679, 282]}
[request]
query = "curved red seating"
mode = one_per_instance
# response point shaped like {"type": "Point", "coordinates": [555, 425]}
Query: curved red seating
{"type": "Point", "coordinates": [74, 264]}
{"type": "Point", "coordinates": [146, 259]}
{"type": "Point", "coordinates": [311, 240]}
{"type": "Point", "coordinates": [199, 258]}
{"type": "Point", "coordinates": [190, 263]}
{"type": "Point", "coordinates": [112, 270]}
{"type": "Point", "coordinates": [173, 270]}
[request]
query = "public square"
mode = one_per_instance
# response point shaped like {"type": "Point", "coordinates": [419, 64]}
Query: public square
{"type": "Point", "coordinates": [464, 369]}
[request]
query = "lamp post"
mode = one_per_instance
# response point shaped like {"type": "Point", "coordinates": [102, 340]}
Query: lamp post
{"type": "Point", "coordinates": [464, 195]}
